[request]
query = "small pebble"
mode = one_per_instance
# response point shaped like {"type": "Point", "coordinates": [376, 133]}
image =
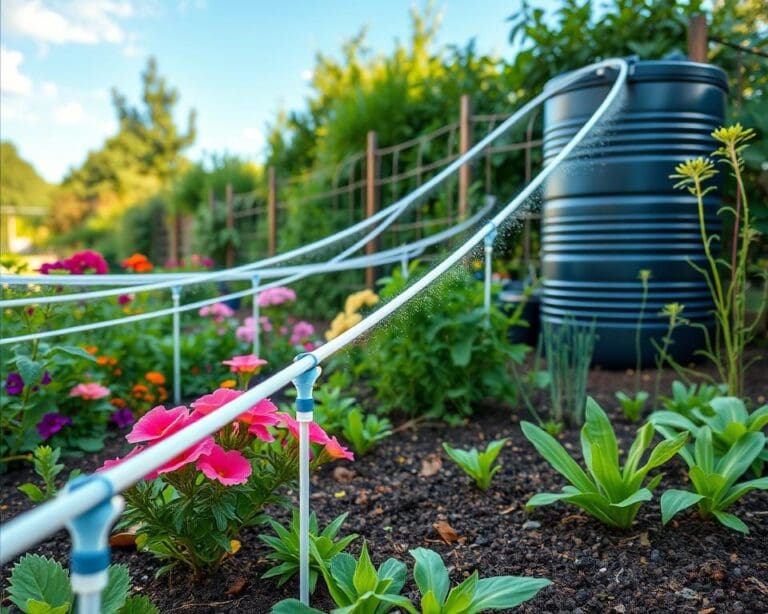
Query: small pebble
{"type": "Point", "coordinates": [655, 555]}
{"type": "Point", "coordinates": [687, 593]}
{"type": "Point", "coordinates": [529, 525]}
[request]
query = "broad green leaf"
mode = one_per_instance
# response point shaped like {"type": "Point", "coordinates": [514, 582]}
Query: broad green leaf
{"type": "Point", "coordinates": [460, 597]}
{"type": "Point", "coordinates": [461, 350]}
{"type": "Point", "coordinates": [738, 491]}
{"type": "Point", "coordinates": [33, 492]}
{"type": "Point", "coordinates": [41, 579]}
{"type": "Point", "coordinates": [393, 570]}
{"type": "Point", "coordinates": [704, 452]}
{"type": "Point", "coordinates": [505, 592]}
{"type": "Point", "coordinates": [729, 409]}
{"type": "Point", "coordinates": [429, 603]}
{"type": "Point", "coordinates": [674, 501]}
{"type": "Point", "coordinates": [139, 604]}
{"type": "Point", "coordinates": [556, 456]}
{"type": "Point", "coordinates": [738, 459]}
{"type": "Point", "coordinates": [758, 418]}
{"type": "Point", "coordinates": [342, 570]}
{"type": "Point", "coordinates": [639, 445]}
{"type": "Point", "coordinates": [31, 372]}
{"type": "Point", "coordinates": [600, 432]}
{"type": "Point", "coordinates": [546, 498]}
{"type": "Point", "coordinates": [399, 601]}
{"type": "Point", "coordinates": [731, 521]}
{"type": "Point", "coordinates": [71, 350]}
{"type": "Point", "coordinates": [118, 584]}
{"type": "Point", "coordinates": [293, 606]}
{"type": "Point", "coordinates": [641, 495]}
{"type": "Point", "coordinates": [676, 421]}
{"type": "Point", "coordinates": [664, 451]}
{"type": "Point", "coordinates": [430, 573]}
{"type": "Point", "coordinates": [595, 504]}
{"type": "Point", "coordinates": [40, 607]}
{"type": "Point", "coordinates": [606, 473]}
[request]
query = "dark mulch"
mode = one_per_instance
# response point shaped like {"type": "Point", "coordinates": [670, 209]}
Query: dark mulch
{"type": "Point", "coordinates": [688, 566]}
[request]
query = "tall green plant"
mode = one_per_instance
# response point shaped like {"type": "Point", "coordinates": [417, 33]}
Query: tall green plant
{"type": "Point", "coordinates": [569, 347]}
{"type": "Point", "coordinates": [727, 281]}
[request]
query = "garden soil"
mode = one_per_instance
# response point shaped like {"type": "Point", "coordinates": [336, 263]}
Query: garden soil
{"type": "Point", "coordinates": [407, 494]}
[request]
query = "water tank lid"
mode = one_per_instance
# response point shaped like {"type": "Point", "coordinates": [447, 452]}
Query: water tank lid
{"type": "Point", "coordinates": [654, 71]}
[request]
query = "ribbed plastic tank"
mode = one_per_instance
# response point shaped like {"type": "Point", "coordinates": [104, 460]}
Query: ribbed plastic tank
{"type": "Point", "coordinates": [611, 211]}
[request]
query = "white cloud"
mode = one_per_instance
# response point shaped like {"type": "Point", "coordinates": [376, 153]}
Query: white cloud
{"type": "Point", "coordinates": [306, 75]}
{"type": "Point", "coordinates": [69, 114]}
{"type": "Point", "coordinates": [49, 89]}
{"type": "Point", "coordinates": [74, 21]}
{"type": "Point", "coordinates": [11, 80]}
{"type": "Point", "coordinates": [254, 136]}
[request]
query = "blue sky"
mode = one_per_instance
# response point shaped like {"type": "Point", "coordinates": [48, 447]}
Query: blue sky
{"type": "Point", "coordinates": [237, 62]}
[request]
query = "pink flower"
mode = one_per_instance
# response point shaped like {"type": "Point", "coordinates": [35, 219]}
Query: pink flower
{"type": "Point", "coordinates": [316, 433]}
{"type": "Point", "coordinates": [87, 262]}
{"type": "Point", "coordinates": [190, 455]}
{"type": "Point", "coordinates": [250, 363]}
{"type": "Point", "coordinates": [229, 468]}
{"type": "Point", "coordinates": [219, 311]}
{"type": "Point", "coordinates": [90, 391]}
{"type": "Point", "coordinates": [211, 402]}
{"type": "Point", "coordinates": [276, 296]}
{"type": "Point", "coordinates": [336, 450]}
{"type": "Point", "coordinates": [158, 423]}
{"type": "Point", "coordinates": [124, 299]}
{"type": "Point", "coordinates": [259, 417]}
{"type": "Point", "coordinates": [301, 332]}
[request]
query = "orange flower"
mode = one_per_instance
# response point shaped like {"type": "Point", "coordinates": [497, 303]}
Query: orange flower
{"type": "Point", "coordinates": [162, 393]}
{"type": "Point", "coordinates": [117, 372]}
{"type": "Point", "coordinates": [153, 377]}
{"type": "Point", "coordinates": [102, 360]}
{"type": "Point", "coordinates": [150, 397]}
{"type": "Point", "coordinates": [138, 263]}
{"type": "Point", "coordinates": [228, 383]}
{"type": "Point", "coordinates": [91, 349]}
{"type": "Point", "coordinates": [118, 402]}
{"type": "Point", "coordinates": [111, 361]}
{"type": "Point", "coordinates": [139, 390]}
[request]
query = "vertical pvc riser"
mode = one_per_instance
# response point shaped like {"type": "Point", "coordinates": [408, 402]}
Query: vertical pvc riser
{"type": "Point", "coordinates": [488, 241]}
{"type": "Point", "coordinates": [255, 314]}
{"type": "Point", "coordinates": [90, 547]}
{"type": "Point", "coordinates": [304, 407]}
{"type": "Point", "coordinates": [176, 295]}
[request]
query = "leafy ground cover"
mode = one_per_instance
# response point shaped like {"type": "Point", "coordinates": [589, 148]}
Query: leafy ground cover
{"type": "Point", "coordinates": [407, 494]}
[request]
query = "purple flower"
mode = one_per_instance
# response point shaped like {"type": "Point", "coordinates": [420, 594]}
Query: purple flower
{"type": "Point", "coordinates": [14, 384]}
{"type": "Point", "coordinates": [51, 424]}
{"type": "Point", "coordinates": [123, 417]}
{"type": "Point", "coordinates": [46, 379]}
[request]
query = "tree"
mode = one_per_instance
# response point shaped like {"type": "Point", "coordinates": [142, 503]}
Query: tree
{"type": "Point", "coordinates": [20, 184]}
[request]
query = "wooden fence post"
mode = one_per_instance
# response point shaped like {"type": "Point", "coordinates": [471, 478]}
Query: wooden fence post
{"type": "Point", "coordinates": [465, 142]}
{"type": "Point", "coordinates": [230, 257]}
{"type": "Point", "coordinates": [697, 39]}
{"type": "Point", "coordinates": [371, 197]}
{"type": "Point", "coordinates": [271, 210]}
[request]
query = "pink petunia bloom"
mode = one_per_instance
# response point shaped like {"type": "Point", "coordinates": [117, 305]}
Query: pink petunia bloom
{"type": "Point", "coordinates": [229, 468]}
{"type": "Point", "coordinates": [219, 311]}
{"type": "Point", "coordinates": [316, 433]}
{"type": "Point", "coordinates": [301, 332]}
{"type": "Point", "coordinates": [276, 296]}
{"type": "Point", "coordinates": [158, 423]}
{"type": "Point", "coordinates": [336, 450]}
{"type": "Point", "coordinates": [211, 402]}
{"type": "Point", "coordinates": [259, 417]}
{"type": "Point", "coordinates": [90, 391]}
{"type": "Point", "coordinates": [124, 299]}
{"type": "Point", "coordinates": [87, 262]}
{"type": "Point", "coordinates": [249, 363]}
{"type": "Point", "coordinates": [190, 455]}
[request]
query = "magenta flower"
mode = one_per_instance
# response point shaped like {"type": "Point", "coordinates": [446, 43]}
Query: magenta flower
{"type": "Point", "coordinates": [229, 468]}
{"type": "Point", "coordinates": [87, 262]}
{"type": "Point", "coordinates": [219, 311]}
{"type": "Point", "coordinates": [190, 455]}
{"type": "Point", "coordinates": [123, 417]}
{"type": "Point", "coordinates": [211, 402]}
{"type": "Point", "coordinates": [316, 433]}
{"type": "Point", "coordinates": [249, 363]}
{"type": "Point", "coordinates": [14, 383]}
{"type": "Point", "coordinates": [301, 332]}
{"type": "Point", "coordinates": [259, 417]}
{"type": "Point", "coordinates": [51, 423]}
{"type": "Point", "coordinates": [158, 423]}
{"type": "Point", "coordinates": [336, 450]}
{"type": "Point", "coordinates": [124, 299]}
{"type": "Point", "coordinates": [276, 296]}
{"type": "Point", "coordinates": [90, 391]}
{"type": "Point", "coordinates": [60, 266]}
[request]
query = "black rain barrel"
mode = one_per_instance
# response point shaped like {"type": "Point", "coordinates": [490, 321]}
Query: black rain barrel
{"type": "Point", "coordinates": [611, 210]}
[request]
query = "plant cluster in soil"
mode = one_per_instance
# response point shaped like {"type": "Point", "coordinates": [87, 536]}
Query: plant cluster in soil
{"type": "Point", "coordinates": [407, 494]}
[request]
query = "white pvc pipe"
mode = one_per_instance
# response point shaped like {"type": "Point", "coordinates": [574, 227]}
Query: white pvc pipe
{"type": "Point", "coordinates": [176, 295]}
{"type": "Point", "coordinates": [488, 275]}
{"type": "Point", "coordinates": [303, 507]}
{"type": "Point", "coordinates": [32, 527]}
{"type": "Point", "coordinates": [255, 315]}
